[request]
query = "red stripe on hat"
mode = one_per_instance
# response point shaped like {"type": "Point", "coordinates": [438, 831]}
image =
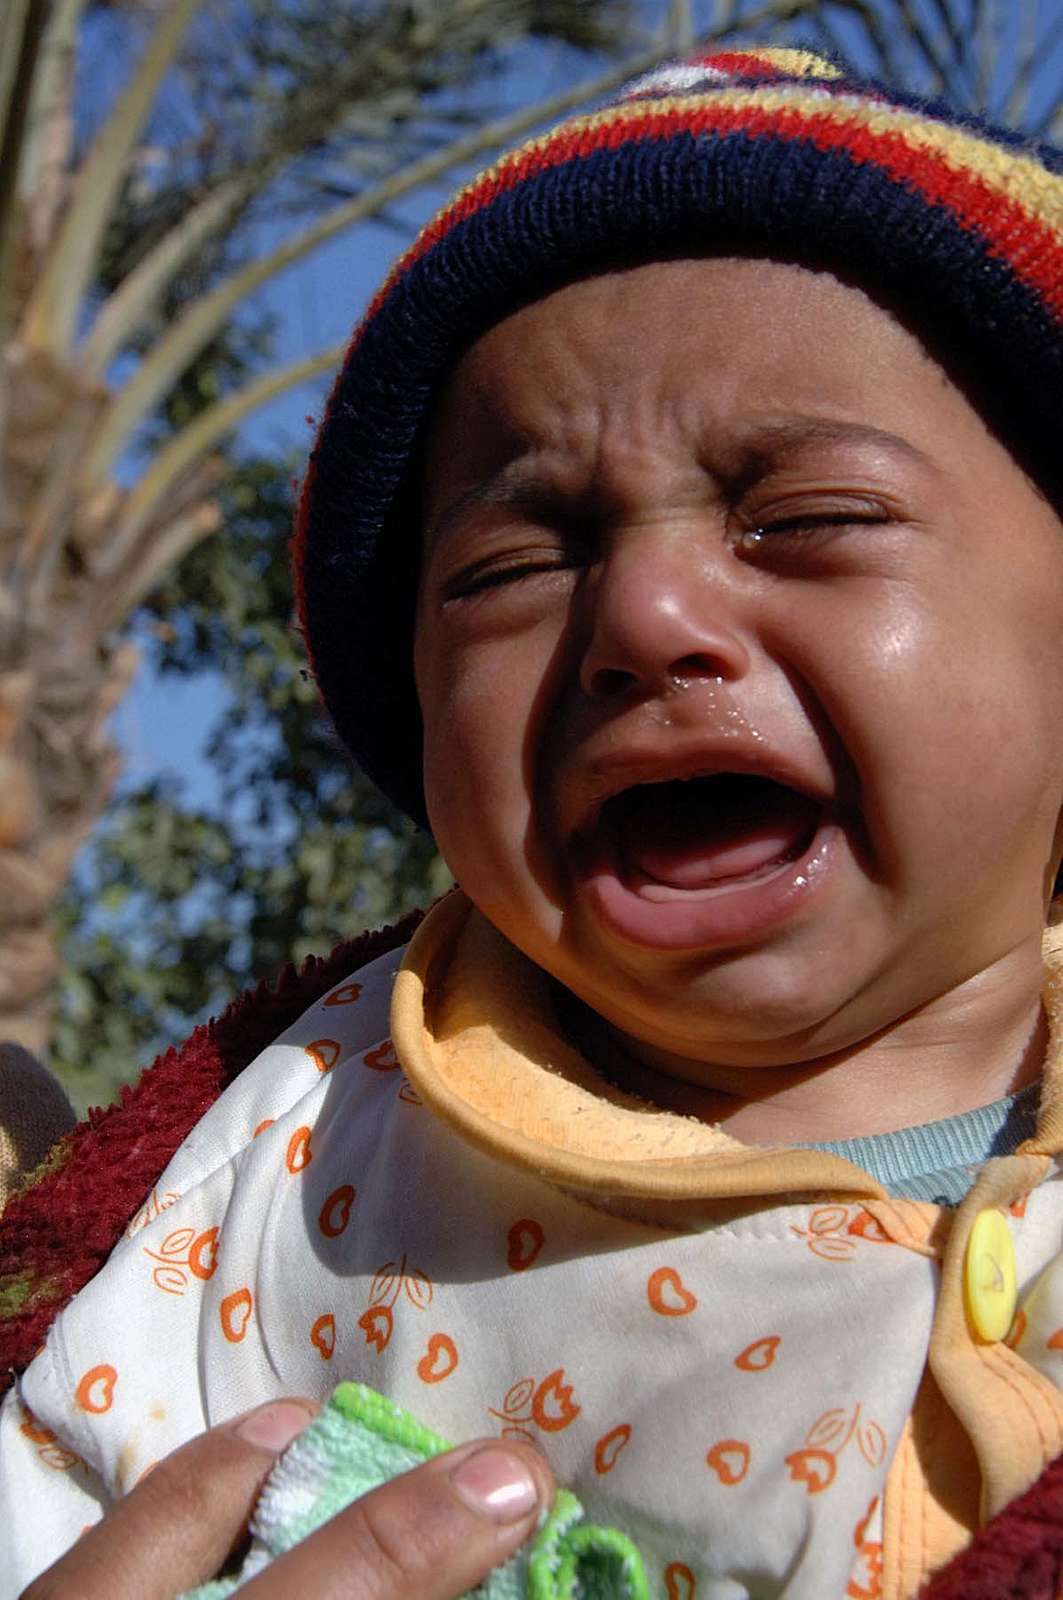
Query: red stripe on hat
{"type": "Point", "coordinates": [1012, 230]}
{"type": "Point", "coordinates": [745, 62]}
{"type": "Point", "coordinates": [1031, 247]}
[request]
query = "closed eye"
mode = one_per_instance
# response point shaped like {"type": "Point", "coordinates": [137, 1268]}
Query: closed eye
{"type": "Point", "coordinates": [811, 528]}
{"type": "Point", "coordinates": [498, 573]}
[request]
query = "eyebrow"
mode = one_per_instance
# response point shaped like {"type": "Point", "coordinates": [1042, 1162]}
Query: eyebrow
{"type": "Point", "coordinates": [821, 430]}
{"type": "Point", "coordinates": [506, 488]}
{"type": "Point", "coordinates": [511, 488]}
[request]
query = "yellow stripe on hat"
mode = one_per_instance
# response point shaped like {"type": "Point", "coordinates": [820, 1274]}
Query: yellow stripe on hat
{"type": "Point", "coordinates": [799, 63]}
{"type": "Point", "coordinates": [1011, 172]}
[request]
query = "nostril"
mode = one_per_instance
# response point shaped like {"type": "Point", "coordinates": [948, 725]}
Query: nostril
{"type": "Point", "coordinates": [608, 683]}
{"type": "Point", "coordinates": [695, 666]}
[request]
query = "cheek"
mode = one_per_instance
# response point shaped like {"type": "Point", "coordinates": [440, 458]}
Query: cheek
{"type": "Point", "coordinates": [475, 711]}
{"type": "Point", "coordinates": [968, 769]}
{"type": "Point", "coordinates": [946, 697]}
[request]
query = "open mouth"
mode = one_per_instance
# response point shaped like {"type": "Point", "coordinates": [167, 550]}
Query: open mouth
{"type": "Point", "coordinates": [700, 834]}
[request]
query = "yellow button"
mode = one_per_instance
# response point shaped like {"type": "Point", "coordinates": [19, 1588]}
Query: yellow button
{"type": "Point", "coordinates": [989, 1276]}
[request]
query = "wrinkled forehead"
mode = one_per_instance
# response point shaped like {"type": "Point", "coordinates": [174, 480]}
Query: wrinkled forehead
{"type": "Point", "coordinates": [729, 360]}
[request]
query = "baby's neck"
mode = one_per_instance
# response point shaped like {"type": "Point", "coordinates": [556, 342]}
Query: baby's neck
{"type": "Point", "coordinates": [967, 1048]}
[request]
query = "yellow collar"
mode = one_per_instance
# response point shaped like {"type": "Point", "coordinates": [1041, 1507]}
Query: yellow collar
{"type": "Point", "coordinates": [473, 1024]}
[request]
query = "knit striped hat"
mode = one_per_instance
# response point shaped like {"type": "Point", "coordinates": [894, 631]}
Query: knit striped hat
{"type": "Point", "coordinates": [955, 224]}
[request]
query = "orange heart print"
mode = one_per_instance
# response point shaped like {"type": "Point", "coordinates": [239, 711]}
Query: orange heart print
{"type": "Point", "coordinates": [299, 1154]}
{"type": "Point", "coordinates": [95, 1390]}
{"type": "Point", "coordinates": [323, 1336]}
{"type": "Point", "coordinates": [553, 1407]}
{"type": "Point", "coordinates": [345, 995]}
{"type": "Point", "coordinates": [609, 1446]}
{"type": "Point", "coordinates": [668, 1295]}
{"type": "Point", "coordinates": [729, 1459]}
{"type": "Point", "coordinates": [324, 1053]}
{"type": "Point", "coordinates": [524, 1242]}
{"type": "Point", "coordinates": [758, 1356]}
{"type": "Point", "coordinates": [234, 1314]}
{"type": "Point", "coordinates": [439, 1360]}
{"type": "Point", "coordinates": [383, 1058]}
{"type": "Point", "coordinates": [203, 1255]}
{"type": "Point", "coordinates": [679, 1581]}
{"type": "Point", "coordinates": [336, 1212]}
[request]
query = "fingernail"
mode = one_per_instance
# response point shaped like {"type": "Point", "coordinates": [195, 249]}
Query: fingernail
{"type": "Point", "coordinates": [274, 1425]}
{"type": "Point", "coordinates": [495, 1484]}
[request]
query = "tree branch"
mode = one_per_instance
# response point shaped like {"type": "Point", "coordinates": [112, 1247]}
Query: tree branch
{"type": "Point", "coordinates": [954, 33]}
{"type": "Point", "coordinates": [202, 321]}
{"type": "Point", "coordinates": [45, 157]}
{"type": "Point", "coordinates": [164, 550]}
{"type": "Point", "coordinates": [37, 553]}
{"type": "Point", "coordinates": [878, 36]}
{"type": "Point", "coordinates": [677, 31]}
{"type": "Point", "coordinates": [1028, 51]}
{"type": "Point", "coordinates": [926, 44]}
{"type": "Point", "coordinates": [21, 29]}
{"type": "Point", "coordinates": [986, 34]}
{"type": "Point", "coordinates": [51, 317]}
{"type": "Point", "coordinates": [124, 310]}
{"type": "Point", "coordinates": [192, 443]}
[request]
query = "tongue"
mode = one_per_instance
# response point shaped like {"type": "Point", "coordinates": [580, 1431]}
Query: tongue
{"type": "Point", "coordinates": [693, 835]}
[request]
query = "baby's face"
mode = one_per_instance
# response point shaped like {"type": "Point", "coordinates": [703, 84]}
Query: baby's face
{"type": "Point", "coordinates": [737, 647]}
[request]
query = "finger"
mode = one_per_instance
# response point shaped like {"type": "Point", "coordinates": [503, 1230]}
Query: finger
{"type": "Point", "coordinates": [431, 1534]}
{"type": "Point", "coordinates": [181, 1523]}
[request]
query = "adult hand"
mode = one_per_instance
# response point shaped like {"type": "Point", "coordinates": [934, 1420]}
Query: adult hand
{"type": "Point", "coordinates": [429, 1535]}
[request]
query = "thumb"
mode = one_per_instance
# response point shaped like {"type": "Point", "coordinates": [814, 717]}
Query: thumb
{"type": "Point", "coordinates": [182, 1522]}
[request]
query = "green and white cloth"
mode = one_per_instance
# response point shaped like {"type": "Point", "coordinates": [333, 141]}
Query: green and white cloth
{"type": "Point", "coordinates": [360, 1440]}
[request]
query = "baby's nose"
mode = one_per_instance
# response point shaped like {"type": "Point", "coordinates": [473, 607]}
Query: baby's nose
{"type": "Point", "coordinates": [660, 617]}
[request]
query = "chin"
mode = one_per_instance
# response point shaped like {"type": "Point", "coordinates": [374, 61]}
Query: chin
{"type": "Point", "coordinates": [757, 1008]}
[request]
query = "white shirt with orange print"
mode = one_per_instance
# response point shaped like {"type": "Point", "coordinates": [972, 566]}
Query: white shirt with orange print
{"type": "Point", "coordinates": [737, 1355]}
